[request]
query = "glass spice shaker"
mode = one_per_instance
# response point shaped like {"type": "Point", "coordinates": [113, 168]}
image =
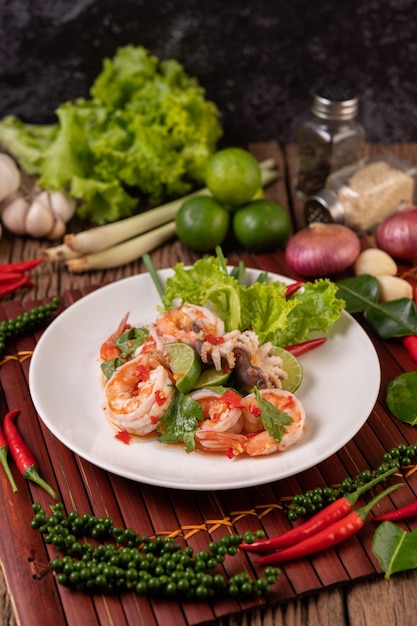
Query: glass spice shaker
{"type": "Point", "coordinates": [330, 140]}
{"type": "Point", "coordinates": [363, 194]}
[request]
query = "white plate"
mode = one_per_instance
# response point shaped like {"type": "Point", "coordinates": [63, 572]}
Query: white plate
{"type": "Point", "coordinates": [339, 390]}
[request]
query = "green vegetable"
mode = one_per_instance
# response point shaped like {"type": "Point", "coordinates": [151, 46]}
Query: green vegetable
{"type": "Point", "coordinates": [147, 129]}
{"type": "Point", "coordinates": [121, 560]}
{"type": "Point", "coordinates": [128, 342]}
{"type": "Point", "coordinates": [395, 549]}
{"type": "Point", "coordinates": [397, 318]}
{"type": "Point", "coordinates": [180, 421]}
{"type": "Point", "coordinates": [314, 500]}
{"type": "Point", "coordinates": [261, 306]}
{"type": "Point", "coordinates": [401, 397]}
{"type": "Point", "coordinates": [272, 418]}
{"type": "Point", "coordinates": [25, 322]}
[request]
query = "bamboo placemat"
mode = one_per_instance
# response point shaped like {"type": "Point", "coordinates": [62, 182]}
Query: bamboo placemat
{"type": "Point", "coordinates": [193, 517]}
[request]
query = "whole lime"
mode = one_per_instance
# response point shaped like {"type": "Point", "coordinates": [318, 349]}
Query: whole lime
{"type": "Point", "coordinates": [202, 223]}
{"type": "Point", "coordinates": [233, 176]}
{"type": "Point", "coordinates": [262, 225]}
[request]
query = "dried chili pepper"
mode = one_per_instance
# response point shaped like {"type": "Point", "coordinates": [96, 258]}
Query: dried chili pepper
{"type": "Point", "coordinates": [409, 510]}
{"type": "Point", "coordinates": [327, 537]}
{"type": "Point", "coordinates": [293, 287]}
{"type": "Point", "coordinates": [327, 516]}
{"type": "Point", "coordinates": [305, 346]}
{"type": "Point", "coordinates": [410, 344]}
{"type": "Point", "coordinates": [3, 459]}
{"type": "Point", "coordinates": [21, 453]}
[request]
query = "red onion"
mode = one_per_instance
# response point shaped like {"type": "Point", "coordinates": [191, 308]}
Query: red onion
{"type": "Point", "coordinates": [397, 234]}
{"type": "Point", "coordinates": [322, 249]}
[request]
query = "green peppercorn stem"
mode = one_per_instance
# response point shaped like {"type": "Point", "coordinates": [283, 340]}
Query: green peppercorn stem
{"type": "Point", "coordinates": [312, 501]}
{"type": "Point", "coordinates": [26, 322]}
{"type": "Point", "coordinates": [126, 561]}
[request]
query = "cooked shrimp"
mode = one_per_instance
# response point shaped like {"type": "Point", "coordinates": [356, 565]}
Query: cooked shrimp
{"type": "Point", "coordinates": [220, 429]}
{"type": "Point", "coordinates": [212, 441]}
{"type": "Point", "coordinates": [262, 442]}
{"type": "Point", "coordinates": [109, 349]}
{"type": "Point", "coordinates": [221, 412]}
{"type": "Point", "coordinates": [153, 343]}
{"type": "Point", "coordinates": [188, 323]}
{"type": "Point", "coordinates": [138, 394]}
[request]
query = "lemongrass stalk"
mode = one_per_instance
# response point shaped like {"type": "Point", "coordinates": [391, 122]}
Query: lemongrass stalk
{"type": "Point", "coordinates": [102, 237]}
{"type": "Point", "coordinates": [60, 252]}
{"type": "Point", "coordinates": [124, 252]}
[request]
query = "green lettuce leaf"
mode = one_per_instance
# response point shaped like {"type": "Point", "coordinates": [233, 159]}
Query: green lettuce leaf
{"type": "Point", "coordinates": [146, 132]}
{"type": "Point", "coordinates": [206, 283]}
{"type": "Point", "coordinates": [318, 308]}
{"type": "Point", "coordinates": [27, 142]}
{"type": "Point", "coordinates": [261, 307]}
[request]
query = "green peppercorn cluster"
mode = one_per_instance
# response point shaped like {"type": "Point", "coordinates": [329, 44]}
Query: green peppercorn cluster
{"type": "Point", "coordinates": [26, 322]}
{"type": "Point", "coordinates": [121, 560]}
{"type": "Point", "coordinates": [314, 500]}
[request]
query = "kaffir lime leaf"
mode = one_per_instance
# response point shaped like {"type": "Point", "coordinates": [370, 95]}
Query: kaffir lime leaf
{"type": "Point", "coordinates": [401, 397]}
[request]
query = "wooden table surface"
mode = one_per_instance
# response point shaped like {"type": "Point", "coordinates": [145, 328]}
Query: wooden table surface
{"type": "Point", "coordinates": [347, 600]}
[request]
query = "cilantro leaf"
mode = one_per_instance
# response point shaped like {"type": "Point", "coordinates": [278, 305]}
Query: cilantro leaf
{"type": "Point", "coordinates": [180, 421]}
{"type": "Point", "coordinates": [272, 418]}
{"type": "Point", "coordinates": [127, 343]}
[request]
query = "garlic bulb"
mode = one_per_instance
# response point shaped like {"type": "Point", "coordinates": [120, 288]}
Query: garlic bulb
{"type": "Point", "coordinates": [62, 205]}
{"type": "Point", "coordinates": [375, 262]}
{"type": "Point", "coordinates": [45, 214]}
{"type": "Point", "coordinates": [9, 176]}
{"type": "Point", "coordinates": [13, 215]}
{"type": "Point", "coordinates": [58, 230]}
{"type": "Point", "coordinates": [39, 219]}
{"type": "Point", "coordinates": [393, 287]}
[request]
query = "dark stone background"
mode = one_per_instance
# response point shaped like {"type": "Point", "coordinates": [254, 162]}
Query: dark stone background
{"type": "Point", "coordinates": [259, 60]}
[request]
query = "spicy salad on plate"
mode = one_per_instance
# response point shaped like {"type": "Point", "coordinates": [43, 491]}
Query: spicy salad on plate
{"type": "Point", "coordinates": [215, 370]}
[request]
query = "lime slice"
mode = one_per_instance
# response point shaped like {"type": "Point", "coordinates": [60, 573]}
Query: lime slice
{"type": "Point", "coordinates": [185, 365]}
{"type": "Point", "coordinates": [293, 368]}
{"type": "Point", "coordinates": [210, 377]}
{"type": "Point", "coordinates": [401, 397]}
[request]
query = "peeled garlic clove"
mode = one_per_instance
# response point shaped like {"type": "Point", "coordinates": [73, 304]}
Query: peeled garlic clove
{"type": "Point", "coordinates": [9, 176]}
{"type": "Point", "coordinates": [58, 229]}
{"type": "Point", "coordinates": [13, 215]}
{"type": "Point", "coordinates": [62, 205]}
{"type": "Point", "coordinates": [375, 262]}
{"type": "Point", "coordinates": [393, 287]}
{"type": "Point", "coordinates": [39, 219]}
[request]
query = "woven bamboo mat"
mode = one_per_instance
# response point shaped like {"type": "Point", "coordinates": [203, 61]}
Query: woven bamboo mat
{"type": "Point", "coordinates": [193, 517]}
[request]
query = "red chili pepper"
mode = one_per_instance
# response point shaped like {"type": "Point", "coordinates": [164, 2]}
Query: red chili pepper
{"type": "Point", "coordinates": [305, 346]}
{"type": "Point", "coordinates": [11, 285]}
{"type": "Point", "coordinates": [291, 289]}
{"type": "Point", "coordinates": [232, 399]}
{"type": "Point", "coordinates": [3, 459]}
{"type": "Point", "coordinates": [335, 511]}
{"type": "Point", "coordinates": [409, 510]}
{"type": "Point", "coordinates": [410, 343]}
{"type": "Point", "coordinates": [327, 537]}
{"type": "Point", "coordinates": [21, 453]}
{"type": "Point", "coordinates": [20, 266]}
{"type": "Point", "coordinates": [9, 276]}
